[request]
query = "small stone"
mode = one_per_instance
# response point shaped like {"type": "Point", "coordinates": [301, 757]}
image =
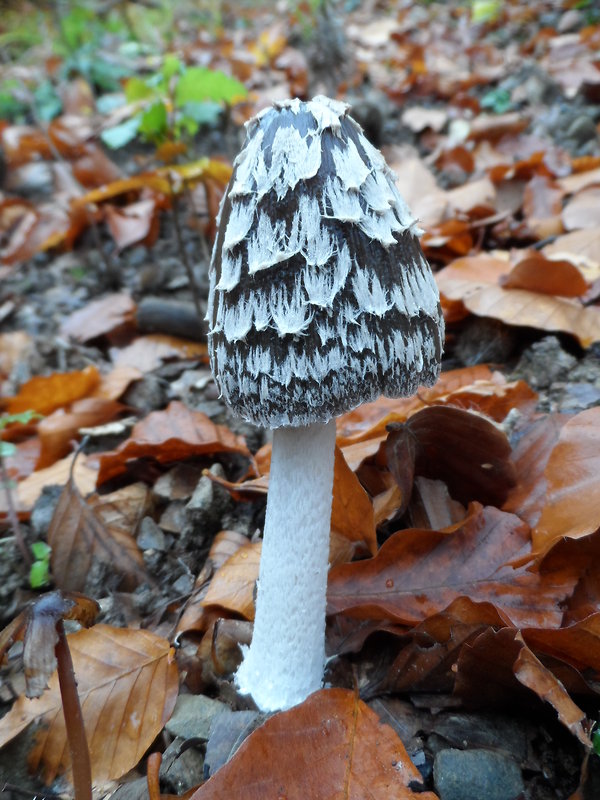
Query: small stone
{"type": "Point", "coordinates": [476, 774]}
{"type": "Point", "coordinates": [147, 394]}
{"type": "Point", "coordinates": [150, 536]}
{"type": "Point", "coordinates": [192, 716]}
{"type": "Point", "coordinates": [582, 129]}
{"type": "Point", "coordinates": [227, 731]}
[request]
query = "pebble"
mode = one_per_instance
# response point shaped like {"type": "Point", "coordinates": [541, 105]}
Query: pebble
{"type": "Point", "coordinates": [150, 536]}
{"type": "Point", "coordinates": [192, 716]}
{"type": "Point", "coordinates": [227, 731]}
{"type": "Point", "coordinates": [476, 774]}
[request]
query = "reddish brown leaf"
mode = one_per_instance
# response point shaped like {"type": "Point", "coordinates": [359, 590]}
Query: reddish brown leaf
{"type": "Point", "coordinates": [136, 223]}
{"type": "Point", "coordinates": [331, 747]}
{"type": "Point", "coordinates": [80, 534]}
{"type": "Point", "coordinates": [530, 457]}
{"type": "Point", "coordinates": [58, 430]}
{"type": "Point", "coordinates": [147, 353]}
{"type": "Point", "coordinates": [536, 273]}
{"type": "Point", "coordinates": [30, 488]}
{"type": "Point", "coordinates": [572, 506]}
{"type": "Point", "coordinates": [169, 436]}
{"type": "Point", "coordinates": [498, 669]}
{"type": "Point", "coordinates": [466, 451]}
{"type": "Point", "coordinates": [232, 587]}
{"type": "Point", "coordinates": [475, 281]}
{"type": "Point", "coordinates": [417, 573]}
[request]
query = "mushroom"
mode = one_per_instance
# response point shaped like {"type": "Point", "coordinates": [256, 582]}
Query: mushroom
{"type": "Point", "coordinates": [320, 300]}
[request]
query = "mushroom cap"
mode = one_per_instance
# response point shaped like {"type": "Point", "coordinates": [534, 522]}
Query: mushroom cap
{"type": "Point", "coordinates": [320, 296]}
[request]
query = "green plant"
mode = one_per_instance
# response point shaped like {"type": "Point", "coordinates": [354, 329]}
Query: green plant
{"type": "Point", "coordinates": [39, 572]}
{"type": "Point", "coordinates": [173, 103]}
{"type": "Point", "coordinates": [8, 448]}
{"type": "Point", "coordinates": [485, 10]}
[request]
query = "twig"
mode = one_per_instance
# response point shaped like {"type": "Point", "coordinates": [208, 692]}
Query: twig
{"type": "Point", "coordinates": [78, 746]}
{"type": "Point", "coordinates": [183, 254]}
{"type": "Point", "coordinates": [12, 516]}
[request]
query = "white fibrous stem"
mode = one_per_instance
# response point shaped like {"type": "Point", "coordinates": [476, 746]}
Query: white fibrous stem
{"type": "Point", "coordinates": [286, 658]}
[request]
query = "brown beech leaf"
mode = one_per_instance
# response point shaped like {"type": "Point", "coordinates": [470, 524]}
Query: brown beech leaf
{"type": "Point", "coordinates": [370, 420]}
{"type": "Point", "coordinates": [109, 315]}
{"type": "Point", "coordinates": [31, 487]}
{"type": "Point", "coordinates": [80, 534]}
{"type": "Point", "coordinates": [536, 273]}
{"type": "Point", "coordinates": [331, 747]}
{"type": "Point", "coordinates": [572, 506]}
{"type": "Point", "coordinates": [147, 353]}
{"type": "Point", "coordinates": [45, 394]}
{"type": "Point", "coordinates": [58, 430]}
{"type": "Point", "coordinates": [128, 684]}
{"type": "Point", "coordinates": [530, 456]}
{"type": "Point", "coordinates": [577, 644]}
{"type": "Point", "coordinates": [465, 450]}
{"type": "Point", "coordinates": [134, 223]}
{"type": "Point", "coordinates": [426, 663]}
{"type": "Point", "coordinates": [352, 515]}
{"type": "Point", "coordinates": [168, 436]}
{"type": "Point", "coordinates": [475, 281]}
{"type": "Point", "coordinates": [419, 572]}
{"type": "Point", "coordinates": [232, 587]}
{"type": "Point", "coordinates": [499, 669]}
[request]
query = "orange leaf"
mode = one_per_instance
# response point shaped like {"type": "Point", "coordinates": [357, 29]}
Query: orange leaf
{"type": "Point", "coordinates": [331, 746]}
{"type": "Point", "coordinates": [232, 587]}
{"type": "Point", "coordinates": [46, 394]}
{"type": "Point", "coordinates": [537, 273]}
{"type": "Point", "coordinates": [127, 682]}
{"type": "Point", "coordinates": [58, 430]}
{"type": "Point", "coordinates": [572, 506]}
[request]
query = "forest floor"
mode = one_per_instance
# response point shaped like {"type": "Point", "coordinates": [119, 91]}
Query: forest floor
{"type": "Point", "coordinates": [489, 114]}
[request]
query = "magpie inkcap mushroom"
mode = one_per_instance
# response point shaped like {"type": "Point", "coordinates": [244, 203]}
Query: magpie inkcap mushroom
{"type": "Point", "coordinates": [320, 300]}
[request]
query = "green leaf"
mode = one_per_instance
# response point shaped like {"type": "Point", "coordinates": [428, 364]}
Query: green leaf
{"type": "Point", "coordinates": [154, 121]}
{"type": "Point", "coordinates": [41, 550]}
{"type": "Point", "coordinates": [596, 742]}
{"type": "Point", "coordinates": [25, 417]}
{"type": "Point", "coordinates": [7, 449]}
{"type": "Point", "coordinates": [47, 102]}
{"type": "Point", "coordinates": [122, 134]}
{"type": "Point", "coordinates": [137, 89]}
{"type": "Point", "coordinates": [498, 100]}
{"type": "Point", "coordinates": [39, 574]}
{"type": "Point", "coordinates": [485, 10]}
{"type": "Point", "coordinates": [203, 113]}
{"type": "Point", "coordinates": [171, 66]}
{"type": "Point", "coordinates": [198, 84]}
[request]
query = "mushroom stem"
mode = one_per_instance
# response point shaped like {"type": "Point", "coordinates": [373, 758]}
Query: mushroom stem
{"type": "Point", "coordinates": [286, 658]}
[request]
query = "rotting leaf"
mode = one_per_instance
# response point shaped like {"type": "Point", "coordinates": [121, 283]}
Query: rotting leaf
{"type": "Point", "coordinates": [465, 450]}
{"type": "Point", "coordinates": [127, 681]}
{"type": "Point", "coordinates": [331, 746]}
{"type": "Point", "coordinates": [78, 535]}
{"type": "Point", "coordinates": [498, 668]}
{"type": "Point", "coordinates": [417, 573]}
{"type": "Point", "coordinates": [102, 317]}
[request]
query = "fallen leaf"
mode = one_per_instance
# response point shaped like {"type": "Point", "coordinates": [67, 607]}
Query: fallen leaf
{"type": "Point", "coordinates": [232, 587]}
{"type": "Point", "coordinates": [45, 394]}
{"type": "Point", "coordinates": [147, 353]}
{"type": "Point", "coordinates": [108, 315]}
{"type": "Point", "coordinates": [168, 436]}
{"type": "Point", "coordinates": [498, 668]}
{"type": "Point", "coordinates": [127, 682]}
{"type": "Point", "coordinates": [332, 746]}
{"type": "Point", "coordinates": [30, 488]}
{"type": "Point", "coordinates": [572, 506]}
{"type": "Point", "coordinates": [417, 573]}
{"type": "Point", "coordinates": [82, 531]}
{"type": "Point", "coordinates": [536, 273]}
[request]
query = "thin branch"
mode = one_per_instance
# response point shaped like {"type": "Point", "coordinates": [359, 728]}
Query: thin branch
{"type": "Point", "coordinates": [12, 516]}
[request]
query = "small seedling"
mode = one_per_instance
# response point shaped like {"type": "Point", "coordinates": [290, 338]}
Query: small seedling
{"type": "Point", "coordinates": [45, 648]}
{"type": "Point", "coordinates": [39, 572]}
